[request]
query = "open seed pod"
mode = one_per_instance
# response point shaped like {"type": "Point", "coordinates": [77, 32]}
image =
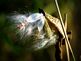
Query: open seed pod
{"type": "Point", "coordinates": [35, 31]}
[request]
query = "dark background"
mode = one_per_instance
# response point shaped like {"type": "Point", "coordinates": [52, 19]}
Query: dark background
{"type": "Point", "coordinates": [11, 52]}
